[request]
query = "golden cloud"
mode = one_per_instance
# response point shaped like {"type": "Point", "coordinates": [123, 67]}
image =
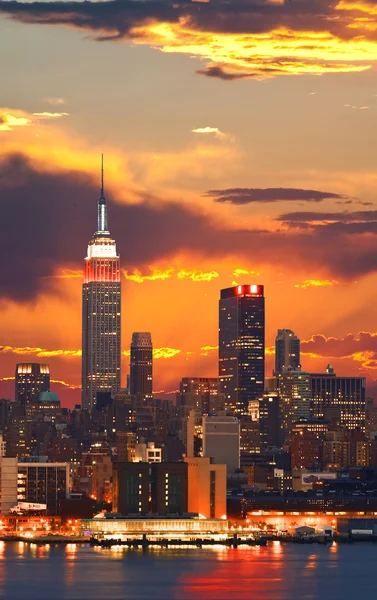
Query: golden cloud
{"type": "Point", "coordinates": [50, 115]}
{"type": "Point", "coordinates": [71, 386]}
{"type": "Point", "coordinates": [163, 275]}
{"type": "Point", "coordinates": [10, 120]}
{"type": "Point", "coordinates": [39, 352]}
{"type": "Point", "coordinates": [316, 283]}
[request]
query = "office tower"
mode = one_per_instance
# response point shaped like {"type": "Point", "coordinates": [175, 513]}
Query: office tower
{"type": "Point", "coordinates": [221, 440]}
{"type": "Point", "coordinates": [270, 421]}
{"type": "Point", "coordinates": [203, 393]}
{"type": "Point", "coordinates": [287, 350]}
{"type": "Point", "coordinates": [101, 310]}
{"type": "Point", "coordinates": [206, 487]}
{"type": "Point", "coordinates": [169, 488]}
{"type": "Point", "coordinates": [43, 483]}
{"type": "Point", "coordinates": [141, 368]}
{"type": "Point", "coordinates": [294, 392]}
{"type": "Point", "coordinates": [340, 400]}
{"type": "Point", "coordinates": [31, 379]}
{"type": "Point", "coordinates": [130, 488]}
{"type": "Point", "coordinates": [241, 346]}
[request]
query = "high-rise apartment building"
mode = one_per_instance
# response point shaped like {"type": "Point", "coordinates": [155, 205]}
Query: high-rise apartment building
{"type": "Point", "coordinates": [241, 345]}
{"type": "Point", "coordinates": [101, 312]}
{"type": "Point", "coordinates": [340, 400]}
{"type": "Point", "coordinates": [141, 366]}
{"type": "Point", "coordinates": [30, 380]}
{"type": "Point", "coordinates": [287, 350]}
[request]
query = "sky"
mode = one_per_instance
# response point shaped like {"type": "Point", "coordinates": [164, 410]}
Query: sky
{"type": "Point", "coordinates": [240, 147]}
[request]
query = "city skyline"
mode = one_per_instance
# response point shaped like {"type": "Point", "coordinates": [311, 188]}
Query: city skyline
{"type": "Point", "coordinates": [216, 176]}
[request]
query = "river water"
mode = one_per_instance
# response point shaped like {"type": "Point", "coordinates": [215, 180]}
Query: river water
{"type": "Point", "coordinates": [276, 572]}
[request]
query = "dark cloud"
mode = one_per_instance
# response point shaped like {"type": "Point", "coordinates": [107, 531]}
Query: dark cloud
{"type": "Point", "coordinates": [267, 195]}
{"type": "Point", "coordinates": [363, 216]}
{"type": "Point", "coordinates": [118, 17]}
{"type": "Point", "coordinates": [332, 347]}
{"type": "Point", "coordinates": [221, 73]}
{"type": "Point", "coordinates": [48, 218]}
{"type": "Point", "coordinates": [129, 19]}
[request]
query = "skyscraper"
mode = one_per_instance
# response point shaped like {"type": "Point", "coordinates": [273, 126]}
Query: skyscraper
{"type": "Point", "coordinates": [30, 380]}
{"type": "Point", "coordinates": [241, 345]}
{"type": "Point", "coordinates": [287, 350]}
{"type": "Point", "coordinates": [141, 368]}
{"type": "Point", "coordinates": [294, 393]}
{"type": "Point", "coordinates": [101, 310]}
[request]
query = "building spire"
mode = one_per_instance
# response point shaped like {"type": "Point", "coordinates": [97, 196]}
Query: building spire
{"type": "Point", "coordinates": [102, 188]}
{"type": "Point", "coordinates": [102, 227]}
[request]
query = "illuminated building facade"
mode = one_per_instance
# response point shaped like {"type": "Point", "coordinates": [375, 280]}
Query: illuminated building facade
{"type": "Point", "coordinates": [141, 366]}
{"type": "Point", "coordinates": [43, 483]}
{"type": "Point", "coordinates": [101, 312]}
{"type": "Point", "coordinates": [30, 380]}
{"type": "Point", "coordinates": [338, 399]}
{"type": "Point", "coordinates": [287, 350]}
{"type": "Point", "coordinates": [241, 346]}
{"type": "Point", "coordinates": [294, 393]}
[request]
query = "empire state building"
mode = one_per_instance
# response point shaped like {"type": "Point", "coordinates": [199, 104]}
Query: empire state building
{"type": "Point", "coordinates": [101, 311]}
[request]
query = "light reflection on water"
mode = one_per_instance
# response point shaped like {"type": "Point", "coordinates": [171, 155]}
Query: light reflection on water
{"type": "Point", "coordinates": [276, 572]}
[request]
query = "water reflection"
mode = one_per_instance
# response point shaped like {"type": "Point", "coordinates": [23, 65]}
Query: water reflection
{"type": "Point", "coordinates": [276, 572]}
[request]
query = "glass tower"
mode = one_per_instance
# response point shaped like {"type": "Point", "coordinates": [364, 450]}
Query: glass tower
{"type": "Point", "coordinates": [241, 346]}
{"type": "Point", "coordinates": [101, 312]}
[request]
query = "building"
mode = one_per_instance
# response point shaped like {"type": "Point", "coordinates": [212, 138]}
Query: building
{"type": "Point", "coordinates": [294, 392]}
{"type": "Point", "coordinates": [30, 380]}
{"type": "Point", "coordinates": [153, 526]}
{"type": "Point", "coordinates": [270, 421]}
{"type": "Point", "coordinates": [305, 449]}
{"type": "Point", "coordinates": [206, 488]}
{"type": "Point", "coordinates": [101, 312]}
{"type": "Point", "coordinates": [101, 479]}
{"type": "Point", "coordinates": [203, 393]}
{"type": "Point", "coordinates": [287, 350]}
{"type": "Point", "coordinates": [340, 400]}
{"type": "Point", "coordinates": [221, 440]}
{"type": "Point", "coordinates": [147, 453]}
{"type": "Point", "coordinates": [141, 366]}
{"type": "Point", "coordinates": [43, 483]}
{"type": "Point", "coordinates": [249, 436]}
{"type": "Point", "coordinates": [8, 484]}
{"type": "Point", "coordinates": [131, 488]}
{"type": "Point", "coordinates": [241, 346]}
{"type": "Point", "coordinates": [125, 444]}
{"type": "Point", "coordinates": [47, 406]}
{"type": "Point", "coordinates": [169, 488]}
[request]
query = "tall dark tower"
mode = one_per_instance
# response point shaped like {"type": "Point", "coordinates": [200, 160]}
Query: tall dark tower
{"type": "Point", "coordinates": [31, 379]}
{"type": "Point", "coordinates": [287, 350]}
{"type": "Point", "coordinates": [101, 311]}
{"type": "Point", "coordinates": [141, 368]}
{"type": "Point", "coordinates": [241, 346]}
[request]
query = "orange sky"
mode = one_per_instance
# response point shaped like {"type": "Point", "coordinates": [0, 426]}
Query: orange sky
{"type": "Point", "coordinates": [239, 148]}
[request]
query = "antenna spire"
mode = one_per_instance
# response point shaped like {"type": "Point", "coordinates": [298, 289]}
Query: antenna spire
{"type": "Point", "coordinates": [102, 227]}
{"type": "Point", "coordinates": [102, 187]}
